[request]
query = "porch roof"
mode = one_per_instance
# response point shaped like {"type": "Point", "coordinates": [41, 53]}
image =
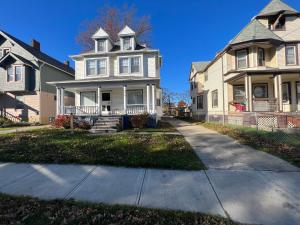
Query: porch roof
{"type": "Point", "coordinates": [109, 81]}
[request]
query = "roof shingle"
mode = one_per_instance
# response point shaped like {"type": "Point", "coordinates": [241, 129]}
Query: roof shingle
{"type": "Point", "coordinates": [275, 7]}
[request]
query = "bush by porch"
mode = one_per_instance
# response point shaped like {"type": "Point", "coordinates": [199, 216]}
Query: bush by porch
{"type": "Point", "coordinates": [127, 149]}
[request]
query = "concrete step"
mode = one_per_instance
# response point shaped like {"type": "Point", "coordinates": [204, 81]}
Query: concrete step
{"type": "Point", "coordinates": [104, 127]}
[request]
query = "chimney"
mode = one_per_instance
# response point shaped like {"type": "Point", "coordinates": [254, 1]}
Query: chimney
{"type": "Point", "coordinates": [67, 63]}
{"type": "Point", "coordinates": [36, 44]}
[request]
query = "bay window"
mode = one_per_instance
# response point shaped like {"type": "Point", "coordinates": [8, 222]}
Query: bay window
{"type": "Point", "coordinates": [261, 57]}
{"type": "Point", "coordinates": [130, 65]}
{"type": "Point", "coordinates": [96, 67]}
{"type": "Point", "coordinates": [18, 73]}
{"type": "Point", "coordinates": [291, 55]}
{"type": "Point", "coordinates": [10, 74]}
{"type": "Point", "coordinates": [242, 59]}
{"type": "Point", "coordinates": [135, 97]}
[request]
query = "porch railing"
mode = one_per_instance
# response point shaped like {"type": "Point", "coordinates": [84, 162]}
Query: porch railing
{"type": "Point", "coordinates": [9, 116]}
{"type": "Point", "coordinates": [268, 105]}
{"type": "Point", "coordinates": [94, 110]}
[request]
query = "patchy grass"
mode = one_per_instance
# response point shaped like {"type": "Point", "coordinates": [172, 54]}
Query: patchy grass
{"type": "Point", "coordinates": [162, 127]}
{"type": "Point", "coordinates": [31, 211]}
{"type": "Point", "coordinates": [285, 146]}
{"type": "Point", "coordinates": [128, 149]}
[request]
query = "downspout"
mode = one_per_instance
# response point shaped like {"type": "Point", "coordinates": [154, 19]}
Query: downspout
{"type": "Point", "coordinates": [223, 89]}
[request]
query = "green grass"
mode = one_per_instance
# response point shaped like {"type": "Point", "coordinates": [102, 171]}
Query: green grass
{"type": "Point", "coordinates": [128, 149]}
{"type": "Point", "coordinates": [285, 146]}
{"type": "Point", "coordinates": [162, 126]}
{"type": "Point", "coordinates": [8, 128]}
{"type": "Point", "coordinates": [31, 211]}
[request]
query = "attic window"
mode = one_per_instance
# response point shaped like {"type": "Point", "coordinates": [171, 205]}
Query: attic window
{"type": "Point", "coordinates": [277, 22]}
{"type": "Point", "coordinates": [127, 43]}
{"type": "Point", "coordinates": [101, 45]}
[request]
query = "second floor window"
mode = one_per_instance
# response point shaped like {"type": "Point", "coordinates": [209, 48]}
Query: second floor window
{"type": "Point", "coordinates": [14, 73]}
{"type": "Point", "coordinates": [130, 65]}
{"type": "Point", "coordinates": [261, 57]}
{"type": "Point", "coordinates": [96, 67]}
{"type": "Point", "coordinates": [214, 96]}
{"type": "Point", "coordinates": [242, 59]}
{"type": "Point", "coordinates": [101, 45]}
{"type": "Point", "coordinates": [291, 55]}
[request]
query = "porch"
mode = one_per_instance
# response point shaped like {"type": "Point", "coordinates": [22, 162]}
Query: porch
{"type": "Point", "coordinates": [264, 93]}
{"type": "Point", "coordinates": [110, 98]}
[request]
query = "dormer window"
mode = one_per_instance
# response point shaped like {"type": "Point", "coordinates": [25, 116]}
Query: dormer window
{"type": "Point", "coordinates": [127, 43]}
{"type": "Point", "coordinates": [277, 23]}
{"type": "Point", "coordinates": [101, 45]}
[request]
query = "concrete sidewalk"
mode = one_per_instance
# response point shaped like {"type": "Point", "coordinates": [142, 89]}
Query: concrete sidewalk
{"type": "Point", "coordinates": [243, 184]}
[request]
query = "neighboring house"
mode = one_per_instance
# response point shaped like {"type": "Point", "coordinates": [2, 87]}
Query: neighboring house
{"type": "Point", "coordinates": [24, 71]}
{"type": "Point", "coordinates": [258, 71]}
{"type": "Point", "coordinates": [114, 79]}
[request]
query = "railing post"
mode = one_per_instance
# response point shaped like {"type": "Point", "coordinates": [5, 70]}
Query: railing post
{"type": "Point", "coordinates": [99, 100]}
{"type": "Point", "coordinates": [148, 98]}
{"type": "Point", "coordinates": [62, 102]}
{"type": "Point", "coordinates": [153, 97]}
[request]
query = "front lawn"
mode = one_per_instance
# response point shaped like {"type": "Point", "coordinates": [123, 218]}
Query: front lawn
{"type": "Point", "coordinates": [285, 146]}
{"type": "Point", "coordinates": [30, 211]}
{"type": "Point", "coordinates": [162, 126]}
{"type": "Point", "coordinates": [128, 149]}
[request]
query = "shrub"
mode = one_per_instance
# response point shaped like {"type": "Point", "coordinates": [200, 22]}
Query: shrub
{"type": "Point", "coordinates": [84, 125]}
{"type": "Point", "coordinates": [139, 121]}
{"type": "Point", "coordinates": [62, 121]}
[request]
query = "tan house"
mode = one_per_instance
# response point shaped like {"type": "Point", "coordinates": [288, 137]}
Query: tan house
{"type": "Point", "coordinates": [258, 71]}
{"type": "Point", "coordinates": [24, 71]}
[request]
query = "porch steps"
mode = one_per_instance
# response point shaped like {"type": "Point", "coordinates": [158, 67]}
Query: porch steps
{"type": "Point", "coordinates": [106, 125]}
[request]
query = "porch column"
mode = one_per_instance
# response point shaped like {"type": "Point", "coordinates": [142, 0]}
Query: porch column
{"type": "Point", "coordinates": [62, 102]}
{"type": "Point", "coordinates": [250, 95]}
{"type": "Point", "coordinates": [153, 97]}
{"type": "Point", "coordinates": [125, 98]}
{"type": "Point", "coordinates": [57, 101]}
{"type": "Point", "coordinates": [99, 100]}
{"type": "Point", "coordinates": [280, 93]}
{"type": "Point", "coordinates": [148, 98]}
{"type": "Point", "coordinates": [247, 92]}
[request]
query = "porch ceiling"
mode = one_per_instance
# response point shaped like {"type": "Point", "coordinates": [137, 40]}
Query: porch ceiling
{"type": "Point", "coordinates": [107, 82]}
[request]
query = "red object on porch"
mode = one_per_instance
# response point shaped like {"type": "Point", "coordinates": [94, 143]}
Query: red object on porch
{"type": "Point", "coordinates": [239, 107]}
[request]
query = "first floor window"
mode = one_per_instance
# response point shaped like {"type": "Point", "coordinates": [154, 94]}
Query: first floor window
{"type": "Point", "coordinates": [239, 93]}
{"type": "Point", "coordinates": [260, 91]}
{"type": "Point", "coordinates": [214, 96]}
{"type": "Point", "coordinates": [291, 55]}
{"type": "Point", "coordinates": [88, 98]}
{"type": "Point", "coordinates": [200, 102]}
{"type": "Point", "coordinates": [298, 92]}
{"type": "Point", "coordinates": [96, 67]}
{"type": "Point", "coordinates": [130, 65]}
{"type": "Point", "coordinates": [135, 97]}
{"type": "Point", "coordinates": [286, 95]}
{"type": "Point", "coordinates": [18, 73]}
{"type": "Point", "coordinates": [242, 59]}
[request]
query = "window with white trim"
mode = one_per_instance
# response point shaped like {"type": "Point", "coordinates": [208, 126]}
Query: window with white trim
{"type": "Point", "coordinates": [200, 101]}
{"type": "Point", "coordinates": [95, 67]}
{"type": "Point", "coordinates": [286, 95]}
{"type": "Point", "coordinates": [291, 57]}
{"type": "Point", "coordinates": [18, 73]}
{"type": "Point", "coordinates": [242, 59]}
{"type": "Point", "coordinates": [261, 57]}
{"type": "Point", "coordinates": [135, 97]}
{"type": "Point", "coordinates": [130, 65]}
{"type": "Point", "coordinates": [101, 45]}
{"type": "Point", "coordinates": [10, 74]}
{"type": "Point", "coordinates": [260, 90]}
{"type": "Point", "coordinates": [127, 43]}
{"type": "Point", "coordinates": [214, 96]}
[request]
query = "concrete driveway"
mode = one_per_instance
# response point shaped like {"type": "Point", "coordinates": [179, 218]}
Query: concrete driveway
{"type": "Point", "coordinates": [243, 184]}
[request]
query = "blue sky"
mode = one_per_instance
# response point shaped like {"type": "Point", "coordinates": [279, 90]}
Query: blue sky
{"type": "Point", "coordinates": [184, 30]}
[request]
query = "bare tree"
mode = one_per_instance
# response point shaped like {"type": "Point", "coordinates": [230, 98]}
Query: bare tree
{"type": "Point", "coordinates": [112, 20]}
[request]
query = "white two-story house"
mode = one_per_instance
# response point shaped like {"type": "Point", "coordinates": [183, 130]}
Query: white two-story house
{"type": "Point", "coordinates": [115, 78]}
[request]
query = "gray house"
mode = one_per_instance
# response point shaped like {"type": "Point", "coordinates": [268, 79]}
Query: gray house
{"type": "Point", "coordinates": [24, 73]}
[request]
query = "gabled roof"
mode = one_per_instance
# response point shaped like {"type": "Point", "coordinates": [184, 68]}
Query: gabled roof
{"type": "Point", "coordinates": [15, 57]}
{"type": "Point", "coordinates": [101, 33]}
{"type": "Point", "coordinates": [200, 66]}
{"type": "Point", "coordinates": [40, 55]}
{"type": "Point", "coordinates": [275, 7]}
{"type": "Point", "coordinates": [127, 31]}
{"type": "Point", "coordinates": [254, 31]}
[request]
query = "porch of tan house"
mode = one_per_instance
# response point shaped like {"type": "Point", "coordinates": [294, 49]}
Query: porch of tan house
{"type": "Point", "coordinates": [278, 93]}
{"type": "Point", "coordinates": [109, 99]}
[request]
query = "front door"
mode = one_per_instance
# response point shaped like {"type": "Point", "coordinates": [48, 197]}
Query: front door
{"type": "Point", "coordinates": [106, 103]}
